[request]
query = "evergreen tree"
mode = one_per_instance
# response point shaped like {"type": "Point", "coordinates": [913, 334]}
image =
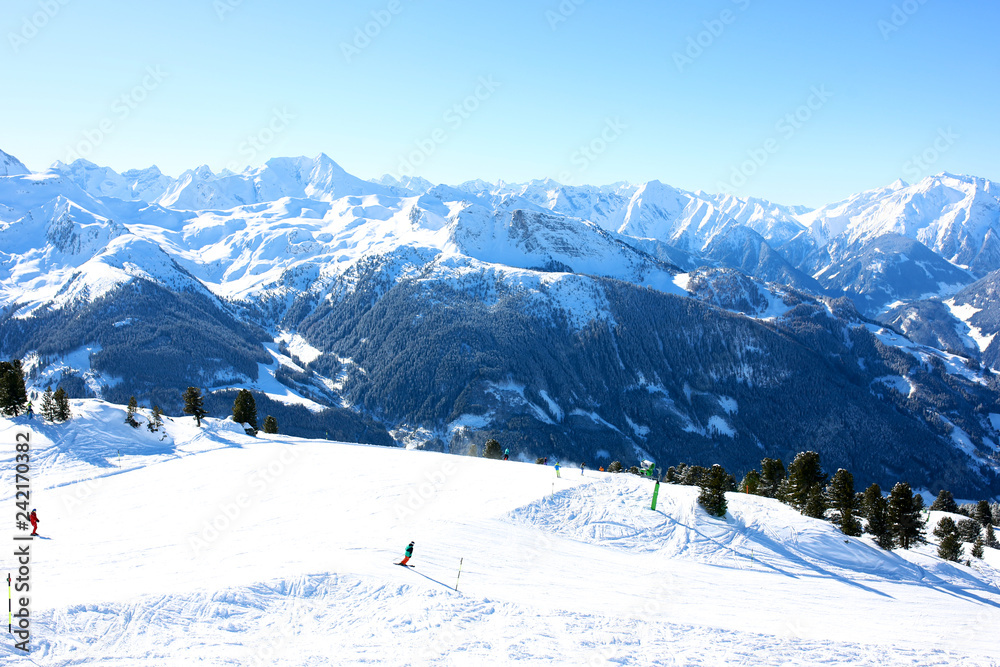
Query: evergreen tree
{"type": "Point", "coordinates": [615, 466]}
{"type": "Point", "coordinates": [245, 409]}
{"type": "Point", "coordinates": [194, 404]}
{"type": "Point", "coordinates": [62, 405]}
{"type": "Point", "coordinates": [843, 500]}
{"type": "Point", "coordinates": [991, 538]}
{"type": "Point", "coordinates": [904, 515]}
{"type": "Point", "coordinates": [493, 449]}
{"type": "Point", "coordinates": [156, 422]}
{"type": "Point", "coordinates": [969, 530]}
{"type": "Point", "coordinates": [772, 474]}
{"type": "Point", "coordinates": [983, 514]}
{"type": "Point", "coordinates": [876, 508]}
{"type": "Point", "coordinates": [815, 503]}
{"type": "Point", "coordinates": [13, 394]}
{"type": "Point", "coordinates": [48, 405]}
{"type": "Point", "coordinates": [693, 475]}
{"type": "Point", "coordinates": [804, 473]}
{"type": "Point", "coordinates": [713, 491]}
{"type": "Point", "coordinates": [473, 449]}
{"type": "Point", "coordinates": [949, 546]}
{"type": "Point", "coordinates": [751, 483]}
{"type": "Point", "coordinates": [945, 502]}
{"type": "Point", "coordinates": [977, 549]}
{"type": "Point", "coordinates": [270, 424]}
{"type": "Point", "coordinates": [133, 405]}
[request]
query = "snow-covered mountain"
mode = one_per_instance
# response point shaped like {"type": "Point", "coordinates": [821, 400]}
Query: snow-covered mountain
{"type": "Point", "coordinates": [957, 217]}
{"type": "Point", "coordinates": [616, 321]}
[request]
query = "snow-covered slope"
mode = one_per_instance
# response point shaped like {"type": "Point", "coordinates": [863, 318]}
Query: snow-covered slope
{"type": "Point", "coordinates": [208, 545]}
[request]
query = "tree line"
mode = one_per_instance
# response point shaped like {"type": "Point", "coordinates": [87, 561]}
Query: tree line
{"type": "Point", "coordinates": [894, 521]}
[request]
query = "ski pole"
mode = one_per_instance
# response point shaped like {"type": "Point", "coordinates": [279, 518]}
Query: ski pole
{"type": "Point", "coordinates": [459, 572]}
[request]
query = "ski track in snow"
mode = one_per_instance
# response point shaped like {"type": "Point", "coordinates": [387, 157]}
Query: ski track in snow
{"type": "Point", "coordinates": [577, 570]}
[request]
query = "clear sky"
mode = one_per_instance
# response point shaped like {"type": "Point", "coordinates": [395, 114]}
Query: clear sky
{"type": "Point", "coordinates": [797, 102]}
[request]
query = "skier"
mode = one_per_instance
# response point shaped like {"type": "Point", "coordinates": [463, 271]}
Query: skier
{"type": "Point", "coordinates": [557, 469]}
{"type": "Point", "coordinates": [33, 518]}
{"type": "Point", "coordinates": [409, 553]}
{"type": "Point", "coordinates": [582, 466]}
{"type": "Point", "coordinates": [506, 454]}
{"type": "Point", "coordinates": [31, 411]}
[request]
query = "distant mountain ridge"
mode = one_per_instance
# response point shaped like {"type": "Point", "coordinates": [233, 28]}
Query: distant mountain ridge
{"type": "Point", "coordinates": [614, 322]}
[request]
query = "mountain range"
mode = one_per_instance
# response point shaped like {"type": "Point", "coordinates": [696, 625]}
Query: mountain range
{"type": "Point", "coordinates": [590, 323]}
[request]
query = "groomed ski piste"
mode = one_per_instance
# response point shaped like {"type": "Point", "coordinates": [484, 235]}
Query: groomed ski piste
{"type": "Point", "coordinates": [212, 547]}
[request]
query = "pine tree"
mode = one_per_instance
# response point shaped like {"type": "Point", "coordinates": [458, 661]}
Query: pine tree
{"type": "Point", "coordinates": [473, 449]}
{"type": "Point", "coordinates": [772, 474]}
{"type": "Point", "coordinates": [969, 530]}
{"type": "Point", "coordinates": [977, 549]}
{"type": "Point", "coordinates": [133, 405]}
{"type": "Point", "coordinates": [245, 409]}
{"type": "Point", "coordinates": [804, 473]}
{"type": "Point", "coordinates": [62, 405]}
{"type": "Point", "coordinates": [713, 491]}
{"type": "Point", "coordinates": [13, 394]}
{"type": "Point", "coordinates": [991, 538]}
{"type": "Point", "coordinates": [843, 500]}
{"type": "Point", "coordinates": [815, 503]}
{"type": "Point", "coordinates": [983, 514]}
{"type": "Point", "coordinates": [945, 502]}
{"type": "Point", "coordinates": [949, 547]}
{"type": "Point", "coordinates": [493, 449]}
{"type": "Point", "coordinates": [751, 483]}
{"type": "Point", "coordinates": [904, 515]}
{"type": "Point", "coordinates": [48, 405]}
{"type": "Point", "coordinates": [876, 509]}
{"type": "Point", "coordinates": [156, 421]}
{"type": "Point", "coordinates": [615, 466]}
{"type": "Point", "coordinates": [194, 404]}
{"type": "Point", "coordinates": [270, 424]}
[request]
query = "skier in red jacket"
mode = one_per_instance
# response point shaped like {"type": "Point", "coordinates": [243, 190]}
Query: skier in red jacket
{"type": "Point", "coordinates": [33, 518]}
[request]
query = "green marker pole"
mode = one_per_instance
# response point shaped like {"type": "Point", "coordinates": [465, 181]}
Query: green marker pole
{"type": "Point", "coordinates": [656, 492]}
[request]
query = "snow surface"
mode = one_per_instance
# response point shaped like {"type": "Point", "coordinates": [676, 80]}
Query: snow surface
{"type": "Point", "coordinates": [214, 547]}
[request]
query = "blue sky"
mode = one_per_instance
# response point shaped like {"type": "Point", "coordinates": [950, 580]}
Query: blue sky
{"type": "Point", "coordinates": [797, 102]}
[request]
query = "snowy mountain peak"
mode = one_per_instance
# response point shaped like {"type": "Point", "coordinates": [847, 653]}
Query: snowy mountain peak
{"type": "Point", "coordinates": [11, 166]}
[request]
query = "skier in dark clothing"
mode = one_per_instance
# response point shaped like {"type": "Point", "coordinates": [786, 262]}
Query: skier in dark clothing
{"type": "Point", "coordinates": [33, 518]}
{"type": "Point", "coordinates": [506, 454]}
{"type": "Point", "coordinates": [582, 466]}
{"type": "Point", "coordinates": [409, 554]}
{"type": "Point", "coordinates": [31, 411]}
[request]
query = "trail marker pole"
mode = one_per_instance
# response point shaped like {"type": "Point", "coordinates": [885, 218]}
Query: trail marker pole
{"type": "Point", "coordinates": [10, 609]}
{"type": "Point", "coordinates": [459, 572]}
{"type": "Point", "coordinates": [119, 459]}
